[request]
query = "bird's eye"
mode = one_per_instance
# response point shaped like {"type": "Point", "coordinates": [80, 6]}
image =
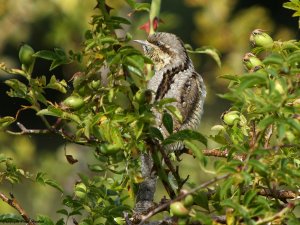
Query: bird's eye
{"type": "Point", "coordinates": [157, 43]}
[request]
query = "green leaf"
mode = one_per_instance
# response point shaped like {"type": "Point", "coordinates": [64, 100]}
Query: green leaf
{"type": "Point", "coordinates": [132, 69]}
{"type": "Point", "coordinates": [196, 150]}
{"type": "Point", "coordinates": [96, 168]}
{"type": "Point", "coordinates": [51, 111]}
{"type": "Point", "coordinates": [120, 20]}
{"type": "Point", "coordinates": [57, 85]}
{"type": "Point", "coordinates": [138, 6]}
{"type": "Point", "coordinates": [155, 133]}
{"type": "Point", "coordinates": [250, 80]}
{"type": "Point", "coordinates": [175, 112]}
{"type": "Point", "coordinates": [13, 71]}
{"type": "Point", "coordinates": [185, 135]}
{"type": "Point", "coordinates": [41, 178]}
{"type": "Point", "coordinates": [242, 210]}
{"type": "Point", "coordinates": [138, 128]}
{"type": "Point", "coordinates": [19, 89]}
{"type": "Point", "coordinates": [121, 100]}
{"type": "Point", "coordinates": [168, 122]}
{"type": "Point", "coordinates": [11, 218]}
{"type": "Point", "coordinates": [54, 184]}
{"type": "Point", "coordinates": [6, 121]}
{"type": "Point", "coordinates": [229, 77]}
{"type": "Point", "coordinates": [63, 212]}
{"type": "Point", "coordinates": [274, 58]}
{"type": "Point", "coordinates": [142, 7]}
{"type": "Point", "coordinates": [136, 61]}
{"type": "Point", "coordinates": [201, 199]}
{"type": "Point", "coordinates": [226, 187]}
{"type": "Point", "coordinates": [45, 54]}
{"type": "Point", "coordinates": [265, 122]}
{"type": "Point", "coordinates": [44, 220]}
{"type": "Point", "coordinates": [261, 168]}
{"type": "Point", "coordinates": [294, 58]}
{"type": "Point", "coordinates": [58, 57]}
{"type": "Point", "coordinates": [209, 51]}
{"type": "Point", "coordinates": [203, 218]}
{"type": "Point", "coordinates": [249, 196]}
{"type": "Point", "coordinates": [294, 123]}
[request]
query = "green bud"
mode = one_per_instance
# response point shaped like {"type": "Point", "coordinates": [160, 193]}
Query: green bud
{"type": "Point", "coordinates": [261, 39]}
{"type": "Point", "coordinates": [251, 61]}
{"type": "Point", "coordinates": [95, 84]}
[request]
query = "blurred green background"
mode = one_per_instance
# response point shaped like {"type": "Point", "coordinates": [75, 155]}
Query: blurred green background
{"type": "Point", "coordinates": [225, 25]}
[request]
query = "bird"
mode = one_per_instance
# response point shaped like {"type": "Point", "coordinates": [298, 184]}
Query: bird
{"type": "Point", "coordinates": [174, 77]}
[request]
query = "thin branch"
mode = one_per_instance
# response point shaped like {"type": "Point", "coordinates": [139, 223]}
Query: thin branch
{"type": "Point", "coordinates": [13, 203]}
{"type": "Point", "coordinates": [278, 215]}
{"type": "Point", "coordinates": [165, 205]}
{"type": "Point", "coordinates": [24, 130]}
{"type": "Point", "coordinates": [268, 135]}
{"type": "Point", "coordinates": [221, 153]}
{"type": "Point", "coordinates": [172, 169]}
{"type": "Point", "coordinates": [280, 194]}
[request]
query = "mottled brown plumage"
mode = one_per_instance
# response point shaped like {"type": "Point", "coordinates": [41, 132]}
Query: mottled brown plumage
{"type": "Point", "coordinates": [174, 77]}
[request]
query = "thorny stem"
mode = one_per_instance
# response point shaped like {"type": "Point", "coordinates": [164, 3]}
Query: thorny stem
{"type": "Point", "coordinates": [13, 203]}
{"type": "Point", "coordinates": [154, 13]}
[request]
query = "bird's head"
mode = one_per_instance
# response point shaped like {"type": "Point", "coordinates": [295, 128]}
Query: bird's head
{"type": "Point", "coordinates": [163, 49]}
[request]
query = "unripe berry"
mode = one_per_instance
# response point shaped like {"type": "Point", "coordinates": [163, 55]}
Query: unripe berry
{"type": "Point", "coordinates": [26, 55]}
{"type": "Point", "coordinates": [74, 102]}
{"type": "Point", "coordinates": [251, 61]}
{"type": "Point", "coordinates": [231, 117]}
{"type": "Point", "coordinates": [178, 209]}
{"type": "Point", "coordinates": [188, 201]}
{"type": "Point", "coordinates": [261, 39]}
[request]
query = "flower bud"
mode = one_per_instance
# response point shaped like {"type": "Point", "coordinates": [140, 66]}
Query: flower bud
{"type": "Point", "coordinates": [261, 39]}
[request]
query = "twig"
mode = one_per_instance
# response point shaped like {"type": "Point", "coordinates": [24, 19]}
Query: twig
{"type": "Point", "coordinates": [276, 215]}
{"type": "Point", "coordinates": [165, 205]}
{"type": "Point", "coordinates": [221, 153]}
{"type": "Point", "coordinates": [13, 203]}
{"type": "Point", "coordinates": [280, 194]}
{"type": "Point", "coordinates": [283, 195]}
{"type": "Point", "coordinates": [268, 135]}
{"type": "Point", "coordinates": [24, 130]}
{"type": "Point", "coordinates": [172, 169]}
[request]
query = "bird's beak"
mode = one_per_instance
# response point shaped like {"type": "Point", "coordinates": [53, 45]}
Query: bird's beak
{"type": "Point", "coordinates": [142, 42]}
